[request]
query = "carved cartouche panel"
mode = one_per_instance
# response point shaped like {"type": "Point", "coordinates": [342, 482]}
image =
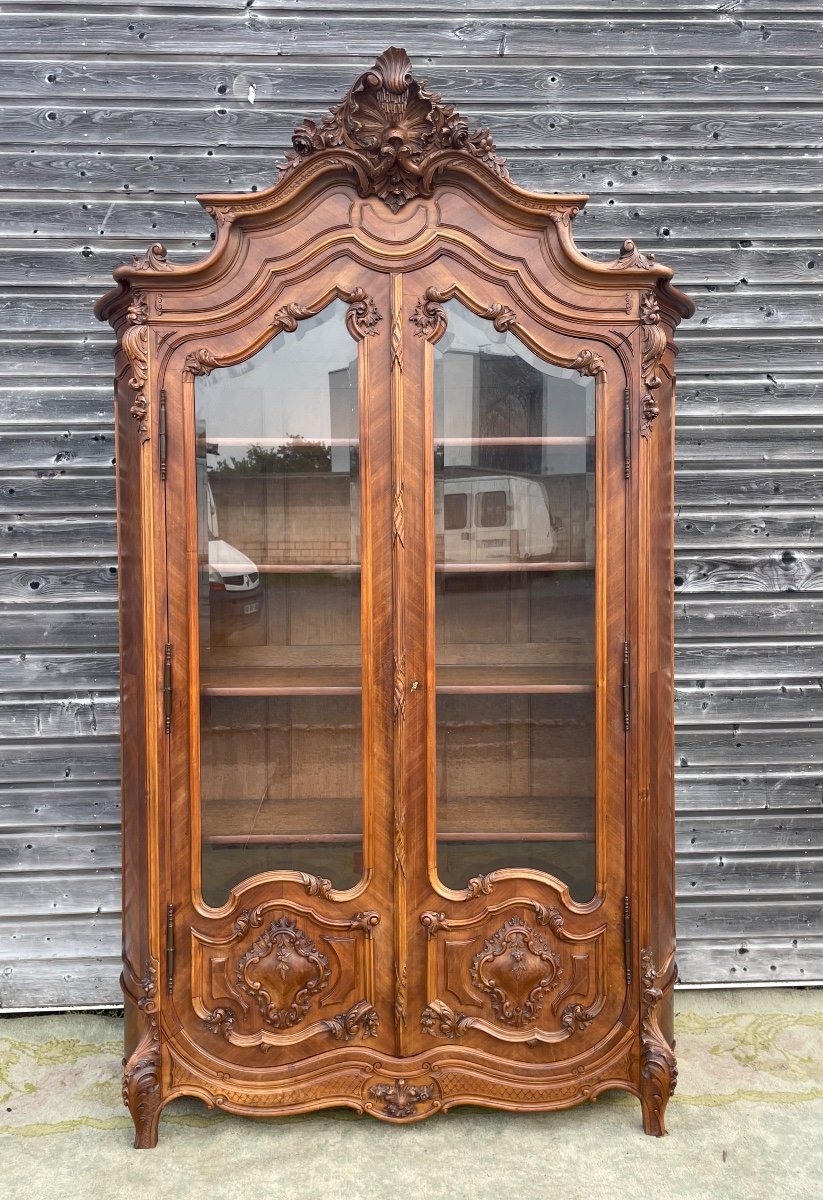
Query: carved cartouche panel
{"type": "Point", "coordinates": [282, 971]}
{"type": "Point", "coordinates": [516, 968]}
{"type": "Point", "coordinates": [394, 128]}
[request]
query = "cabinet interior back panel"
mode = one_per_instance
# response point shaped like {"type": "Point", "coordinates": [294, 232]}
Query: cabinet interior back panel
{"type": "Point", "coordinates": [700, 137]}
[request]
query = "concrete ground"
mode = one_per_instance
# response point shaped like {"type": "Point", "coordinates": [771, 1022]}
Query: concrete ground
{"type": "Point", "coordinates": [746, 1123]}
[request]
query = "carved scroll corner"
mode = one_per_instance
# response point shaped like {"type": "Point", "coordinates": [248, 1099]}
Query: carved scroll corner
{"type": "Point", "coordinates": [316, 885]}
{"type": "Point", "coordinates": [362, 1018]}
{"type": "Point", "coordinates": [401, 1099]}
{"type": "Point", "coordinates": [393, 130]}
{"type": "Point", "coordinates": [575, 1018]}
{"type": "Point", "coordinates": [658, 1065]}
{"type": "Point", "coordinates": [428, 316]}
{"type": "Point", "coordinates": [433, 922]}
{"type": "Point", "coordinates": [365, 920]}
{"type": "Point", "coordinates": [631, 258]}
{"type": "Point", "coordinates": [221, 1021]}
{"type": "Point", "coordinates": [501, 316]}
{"type": "Point", "coordinates": [480, 885]}
{"type": "Point", "coordinates": [362, 315]}
{"type": "Point", "coordinates": [439, 1020]}
{"type": "Point", "coordinates": [153, 260]}
{"type": "Point", "coordinates": [200, 362]}
{"type": "Point", "coordinates": [588, 362]}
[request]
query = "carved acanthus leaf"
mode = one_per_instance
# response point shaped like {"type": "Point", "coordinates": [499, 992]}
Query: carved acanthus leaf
{"type": "Point", "coordinates": [136, 349]}
{"type": "Point", "coordinates": [138, 310]}
{"type": "Point", "coordinates": [576, 1017]}
{"type": "Point", "coordinates": [658, 1066]}
{"type": "Point", "coordinates": [394, 130]}
{"type": "Point", "coordinates": [200, 362]}
{"type": "Point", "coordinates": [362, 315]}
{"type": "Point", "coordinates": [282, 971]}
{"type": "Point", "coordinates": [548, 916]}
{"type": "Point", "coordinates": [480, 885]}
{"type": "Point", "coordinates": [653, 345]}
{"type": "Point", "coordinates": [141, 1079]}
{"type": "Point", "coordinates": [631, 258]}
{"type": "Point", "coordinates": [221, 1021]}
{"type": "Point", "coordinates": [148, 986]}
{"type": "Point", "coordinates": [588, 363]}
{"type": "Point", "coordinates": [439, 1020]}
{"type": "Point", "coordinates": [361, 1019]}
{"type": "Point", "coordinates": [516, 968]}
{"type": "Point", "coordinates": [153, 260]}
{"type": "Point", "coordinates": [429, 316]}
{"type": "Point", "coordinates": [400, 1099]}
{"type": "Point", "coordinates": [500, 316]}
{"type": "Point", "coordinates": [316, 885]}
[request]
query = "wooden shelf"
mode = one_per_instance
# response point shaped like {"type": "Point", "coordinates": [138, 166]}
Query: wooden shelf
{"type": "Point", "coordinates": [512, 441]}
{"type": "Point", "coordinates": [456, 568]}
{"type": "Point", "coordinates": [287, 569]}
{"type": "Point", "coordinates": [322, 442]}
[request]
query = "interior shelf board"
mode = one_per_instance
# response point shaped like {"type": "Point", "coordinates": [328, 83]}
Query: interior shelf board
{"type": "Point", "coordinates": [464, 568]}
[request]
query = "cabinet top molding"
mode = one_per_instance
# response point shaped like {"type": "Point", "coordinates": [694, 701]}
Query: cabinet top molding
{"type": "Point", "coordinates": [393, 138]}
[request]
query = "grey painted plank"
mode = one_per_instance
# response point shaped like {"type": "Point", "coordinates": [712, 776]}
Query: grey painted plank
{"type": "Point", "coordinates": [733, 832]}
{"type": "Point", "coordinates": [759, 400]}
{"type": "Point", "coordinates": [793, 917]}
{"type": "Point", "coordinates": [57, 490]}
{"type": "Point", "coordinates": [679, 126]}
{"type": "Point", "coordinates": [754, 961]}
{"type": "Point", "coordinates": [726, 788]}
{"type": "Point", "coordinates": [214, 77]}
{"type": "Point", "coordinates": [751, 874]}
{"type": "Point", "coordinates": [748, 617]}
{"type": "Point", "coordinates": [40, 939]}
{"type": "Point", "coordinates": [49, 403]}
{"type": "Point", "coordinates": [185, 171]}
{"type": "Point", "coordinates": [694, 528]}
{"type": "Point", "coordinates": [89, 583]}
{"type": "Point", "coordinates": [716, 484]}
{"type": "Point", "coordinates": [94, 714]}
{"type": "Point", "coordinates": [61, 448]}
{"type": "Point", "coordinates": [787, 571]}
{"type": "Point", "coordinates": [59, 802]}
{"type": "Point", "coordinates": [56, 671]}
{"type": "Point", "coordinates": [746, 703]}
{"type": "Point", "coordinates": [65, 849]}
{"type": "Point", "coordinates": [80, 760]}
{"type": "Point", "coordinates": [66, 536]}
{"type": "Point", "coordinates": [70, 894]}
{"type": "Point", "coordinates": [30, 628]}
{"type": "Point", "coordinates": [750, 746]}
{"type": "Point", "coordinates": [759, 659]}
{"type": "Point", "coordinates": [368, 35]}
{"type": "Point", "coordinates": [61, 983]}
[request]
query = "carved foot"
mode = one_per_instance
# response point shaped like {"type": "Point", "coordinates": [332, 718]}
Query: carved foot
{"type": "Point", "coordinates": [658, 1066]}
{"type": "Point", "coordinates": [141, 1089]}
{"type": "Point", "coordinates": [654, 1111]}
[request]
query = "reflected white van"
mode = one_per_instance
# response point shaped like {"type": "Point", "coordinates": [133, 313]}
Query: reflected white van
{"type": "Point", "coordinates": [493, 518]}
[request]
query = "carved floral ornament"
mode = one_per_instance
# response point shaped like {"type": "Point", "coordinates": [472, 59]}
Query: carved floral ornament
{"type": "Point", "coordinates": [395, 128]}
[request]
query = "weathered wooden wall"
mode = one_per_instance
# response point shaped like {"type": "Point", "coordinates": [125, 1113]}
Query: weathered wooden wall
{"type": "Point", "coordinates": [696, 128]}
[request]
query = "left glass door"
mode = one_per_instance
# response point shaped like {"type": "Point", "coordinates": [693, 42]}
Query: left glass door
{"type": "Point", "coordinates": [278, 494]}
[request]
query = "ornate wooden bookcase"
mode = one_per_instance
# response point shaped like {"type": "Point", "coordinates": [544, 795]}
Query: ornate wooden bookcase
{"type": "Point", "coordinates": [394, 470]}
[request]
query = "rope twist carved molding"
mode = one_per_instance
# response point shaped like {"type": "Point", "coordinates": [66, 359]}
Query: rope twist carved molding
{"type": "Point", "coordinates": [394, 128]}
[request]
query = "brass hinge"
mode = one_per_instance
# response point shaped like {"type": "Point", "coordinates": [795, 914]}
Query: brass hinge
{"type": "Point", "coordinates": [170, 947]}
{"type": "Point", "coordinates": [167, 687]}
{"type": "Point", "coordinates": [627, 432]}
{"type": "Point", "coordinates": [627, 936]}
{"type": "Point", "coordinates": [161, 421]}
{"type": "Point", "coordinates": [626, 687]}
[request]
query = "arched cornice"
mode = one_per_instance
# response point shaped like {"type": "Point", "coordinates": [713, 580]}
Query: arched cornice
{"type": "Point", "coordinates": [392, 138]}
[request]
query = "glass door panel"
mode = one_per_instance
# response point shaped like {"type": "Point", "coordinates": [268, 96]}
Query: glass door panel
{"type": "Point", "coordinates": [278, 506]}
{"type": "Point", "coordinates": [514, 609]}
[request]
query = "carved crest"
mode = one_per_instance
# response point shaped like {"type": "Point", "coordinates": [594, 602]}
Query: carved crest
{"type": "Point", "coordinates": [516, 968]}
{"type": "Point", "coordinates": [401, 1099]}
{"type": "Point", "coordinates": [282, 970]}
{"type": "Point", "coordinates": [395, 129]}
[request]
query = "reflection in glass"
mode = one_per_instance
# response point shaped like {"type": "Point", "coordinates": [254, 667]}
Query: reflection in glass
{"type": "Point", "coordinates": [514, 587]}
{"type": "Point", "coordinates": [278, 505]}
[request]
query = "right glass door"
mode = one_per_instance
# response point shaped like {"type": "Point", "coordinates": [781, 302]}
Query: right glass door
{"type": "Point", "coordinates": [514, 454]}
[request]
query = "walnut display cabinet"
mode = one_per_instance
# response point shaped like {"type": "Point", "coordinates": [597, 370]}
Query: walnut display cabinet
{"type": "Point", "coordinates": [394, 469]}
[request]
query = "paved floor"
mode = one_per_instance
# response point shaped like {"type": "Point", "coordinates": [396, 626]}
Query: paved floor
{"type": "Point", "coordinates": [746, 1123]}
